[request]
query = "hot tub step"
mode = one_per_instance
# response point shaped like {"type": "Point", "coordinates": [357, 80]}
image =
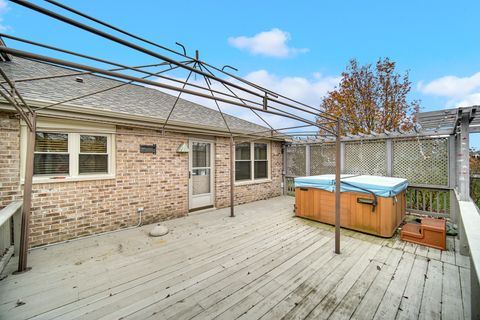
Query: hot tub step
{"type": "Point", "coordinates": [430, 233]}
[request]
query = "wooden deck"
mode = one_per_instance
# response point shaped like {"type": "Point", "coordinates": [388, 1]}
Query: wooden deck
{"type": "Point", "coordinates": [264, 263]}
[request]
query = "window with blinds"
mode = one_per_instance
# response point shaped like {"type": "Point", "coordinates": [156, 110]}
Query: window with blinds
{"type": "Point", "coordinates": [51, 154]}
{"type": "Point", "coordinates": [261, 161]}
{"type": "Point", "coordinates": [243, 163]}
{"type": "Point", "coordinates": [93, 156]}
{"type": "Point", "coordinates": [251, 161]}
{"type": "Point", "coordinates": [71, 154]}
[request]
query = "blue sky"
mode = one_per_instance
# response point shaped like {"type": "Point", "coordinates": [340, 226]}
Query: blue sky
{"type": "Point", "coordinates": [297, 47]}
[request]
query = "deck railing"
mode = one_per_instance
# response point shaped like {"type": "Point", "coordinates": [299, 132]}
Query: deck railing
{"type": "Point", "coordinates": [289, 189]}
{"type": "Point", "coordinates": [10, 224]}
{"type": "Point", "coordinates": [431, 201]}
{"type": "Point", "coordinates": [469, 233]}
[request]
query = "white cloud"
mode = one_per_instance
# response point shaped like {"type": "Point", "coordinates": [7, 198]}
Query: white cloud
{"type": "Point", "coordinates": [469, 100]}
{"type": "Point", "coordinates": [271, 43]}
{"type": "Point", "coordinates": [460, 91]}
{"type": "Point", "coordinates": [307, 90]}
{"type": "Point", "coordinates": [3, 9]}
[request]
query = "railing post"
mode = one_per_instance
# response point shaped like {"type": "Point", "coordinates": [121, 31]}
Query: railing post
{"type": "Point", "coordinates": [464, 250]}
{"type": "Point", "coordinates": [451, 161]}
{"type": "Point", "coordinates": [17, 229]}
{"type": "Point", "coordinates": [464, 154]}
{"type": "Point", "coordinates": [453, 207]}
{"type": "Point", "coordinates": [463, 246]}
{"type": "Point", "coordinates": [307, 160]}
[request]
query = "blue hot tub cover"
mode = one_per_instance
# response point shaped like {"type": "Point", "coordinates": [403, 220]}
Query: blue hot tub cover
{"type": "Point", "coordinates": [380, 186]}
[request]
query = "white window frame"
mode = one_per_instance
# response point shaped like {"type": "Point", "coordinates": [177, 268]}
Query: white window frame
{"type": "Point", "coordinates": [252, 180]}
{"type": "Point", "coordinates": [74, 130]}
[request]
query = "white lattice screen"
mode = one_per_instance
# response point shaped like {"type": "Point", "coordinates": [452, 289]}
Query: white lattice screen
{"type": "Point", "coordinates": [366, 157]}
{"type": "Point", "coordinates": [322, 159]}
{"type": "Point", "coordinates": [421, 161]}
{"type": "Point", "coordinates": [296, 161]}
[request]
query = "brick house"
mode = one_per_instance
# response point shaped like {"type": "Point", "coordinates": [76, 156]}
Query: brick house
{"type": "Point", "coordinates": [100, 159]}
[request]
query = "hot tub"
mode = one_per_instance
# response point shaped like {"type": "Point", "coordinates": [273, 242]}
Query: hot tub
{"type": "Point", "coordinates": [370, 204]}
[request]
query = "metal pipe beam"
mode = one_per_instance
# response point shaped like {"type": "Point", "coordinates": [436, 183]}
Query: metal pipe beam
{"type": "Point", "coordinates": [320, 112]}
{"type": "Point", "coordinates": [121, 66]}
{"type": "Point", "coordinates": [232, 155]}
{"type": "Point", "coordinates": [232, 92]}
{"type": "Point", "coordinates": [176, 100]}
{"type": "Point", "coordinates": [14, 90]}
{"type": "Point", "coordinates": [17, 107]}
{"type": "Point", "coordinates": [126, 43]}
{"type": "Point", "coordinates": [29, 55]}
{"type": "Point", "coordinates": [71, 74]}
{"type": "Point", "coordinates": [96, 92]}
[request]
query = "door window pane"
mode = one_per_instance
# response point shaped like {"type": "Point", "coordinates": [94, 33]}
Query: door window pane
{"type": "Point", "coordinates": [201, 181]}
{"type": "Point", "coordinates": [200, 155]}
{"type": "Point", "coordinates": [242, 151]}
{"type": "Point", "coordinates": [51, 163]}
{"type": "Point", "coordinates": [261, 170]}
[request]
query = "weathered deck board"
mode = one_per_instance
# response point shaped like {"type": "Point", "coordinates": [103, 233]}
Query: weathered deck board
{"type": "Point", "coordinates": [234, 274]}
{"type": "Point", "coordinates": [351, 300]}
{"type": "Point", "coordinates": [465, 285]}
{"type": "Point", "coordinates": [452, 306]}
{"type": "Point", "coordinates": [412, 296]}
{"type": "Point", "coordinates": [393, 296]}
{"type": "Point", "coordinates": [431, 306]}
{"type": "Point", "coordinates": [369, 304]}
{"type": "Point", "coordinates": [261, 264]}
{"type": "Point", "coordinates": [304, 280]}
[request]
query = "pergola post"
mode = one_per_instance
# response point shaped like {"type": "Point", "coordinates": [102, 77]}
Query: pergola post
{"type": "Point", "coordinates": [338, 162]}
{"type": "Point", "coordinates": [27, 195]}
{"type": "Point", "coordinates": [452, 164]}
{"type": "Point", "coordinates": [232, 177]}
{"type": "Point", "coordinates": [307, 160]}
{"type": "Point", "coordinates": [464, 154]}
{"type": "Point", "coordinates": [464, 172]}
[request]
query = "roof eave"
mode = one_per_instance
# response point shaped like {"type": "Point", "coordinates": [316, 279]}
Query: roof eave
{"type": "Point", "coordinates": [70, 111]}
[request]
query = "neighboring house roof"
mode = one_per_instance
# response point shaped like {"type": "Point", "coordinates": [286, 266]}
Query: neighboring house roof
{"type": "Point", "coordinates": [128, 99]}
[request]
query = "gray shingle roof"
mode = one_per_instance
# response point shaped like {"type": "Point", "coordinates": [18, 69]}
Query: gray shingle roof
{"type": "Point", "coordinates": [128, 99]}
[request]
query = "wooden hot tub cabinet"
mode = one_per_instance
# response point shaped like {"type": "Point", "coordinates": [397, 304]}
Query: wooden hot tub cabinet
{"type": "Point", "coordinates": [355, 212]}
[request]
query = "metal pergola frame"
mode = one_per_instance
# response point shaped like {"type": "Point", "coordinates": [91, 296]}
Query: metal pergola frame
{"type": "Point", "coordinates": [259, 100]}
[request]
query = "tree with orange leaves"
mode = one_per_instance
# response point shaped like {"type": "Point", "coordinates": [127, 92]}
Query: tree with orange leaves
{"type": "Point", "coordinates": [373, 99]}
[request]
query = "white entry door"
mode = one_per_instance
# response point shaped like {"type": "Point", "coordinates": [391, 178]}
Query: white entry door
{"type": "Point", "coordinates": [201, 182]}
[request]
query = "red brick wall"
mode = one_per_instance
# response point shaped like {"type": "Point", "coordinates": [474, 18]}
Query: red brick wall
{"type": "Point", "coordinates": [9, 158]}
{"type": "Point", "coordinates": [246, 192]}
{"type": "Point", "coordinates": [158, 183]}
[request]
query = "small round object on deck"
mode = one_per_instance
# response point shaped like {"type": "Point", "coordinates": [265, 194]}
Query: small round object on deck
{"type": "Point", "coordinates": [158, 231]}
